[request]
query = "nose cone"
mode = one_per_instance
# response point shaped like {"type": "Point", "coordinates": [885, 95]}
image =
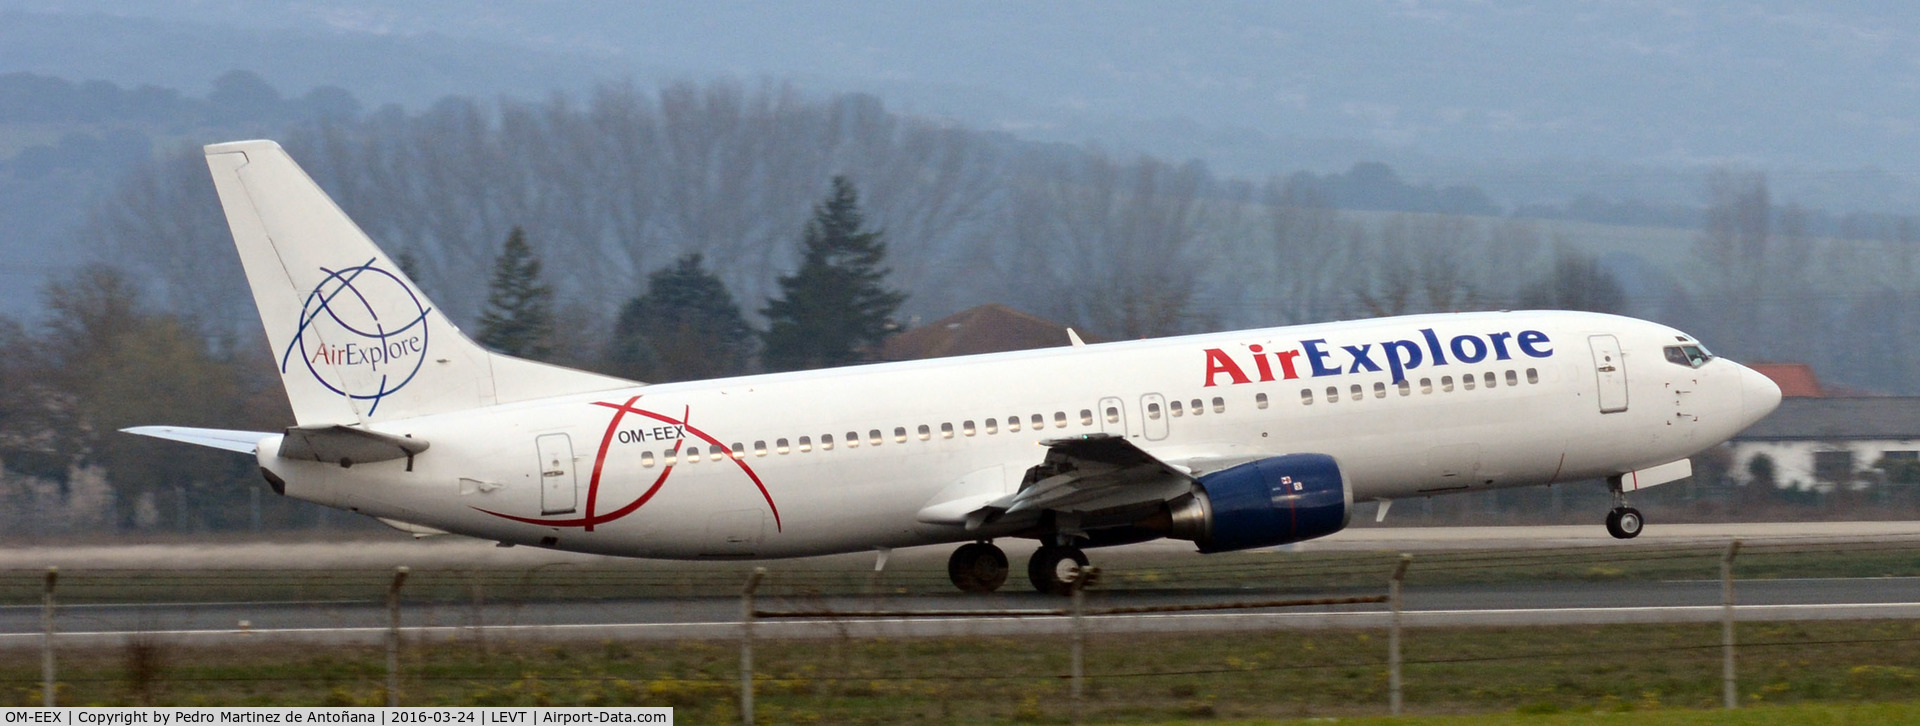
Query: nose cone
{"type": "Point", "coordinates": [1759, 395]}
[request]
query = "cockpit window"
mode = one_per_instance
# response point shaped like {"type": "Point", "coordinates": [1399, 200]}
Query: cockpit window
{"type": "Point", "coordinates": [1691, 356]}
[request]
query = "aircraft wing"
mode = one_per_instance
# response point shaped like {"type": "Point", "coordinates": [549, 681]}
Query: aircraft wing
{"type": "Point", "coordinates": [1089, 479]}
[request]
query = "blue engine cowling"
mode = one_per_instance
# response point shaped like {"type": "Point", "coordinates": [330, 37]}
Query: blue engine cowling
{"type": "Point", "coordinates": [1268, 502]}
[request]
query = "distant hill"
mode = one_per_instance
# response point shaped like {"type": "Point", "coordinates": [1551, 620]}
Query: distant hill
{"type": "Point", "coordinates": [1531, 103]}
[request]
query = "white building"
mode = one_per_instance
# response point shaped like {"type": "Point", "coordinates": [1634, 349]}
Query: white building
{"type": "Point", "coordinates": [1821, 443]}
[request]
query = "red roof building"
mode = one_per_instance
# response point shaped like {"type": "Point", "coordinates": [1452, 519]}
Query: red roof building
{"type": "Point", "coordinates": [1796, 380]}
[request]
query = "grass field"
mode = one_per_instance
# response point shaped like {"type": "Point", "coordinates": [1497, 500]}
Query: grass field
{"type": "Point", "coordinates": [1823, 714]}
{"type": "Point", "coordinates": [1132, 679]}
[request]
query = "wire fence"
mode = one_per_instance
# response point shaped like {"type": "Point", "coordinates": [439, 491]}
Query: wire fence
{"type": "Point", "coordinates": [491, 637]}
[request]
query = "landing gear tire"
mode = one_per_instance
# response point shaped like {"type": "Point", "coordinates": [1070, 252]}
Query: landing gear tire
{"type": "Point", "coordinates": [1625, 523]}
{"type": "Point", "coordinates": [978, 567]}
{"type": "Point", "coordinates": [1054, 568]}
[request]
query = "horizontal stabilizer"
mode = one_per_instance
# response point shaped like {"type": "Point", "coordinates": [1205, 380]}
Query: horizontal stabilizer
{"type": "Point", "coordinates": [245, 442]}
{"type": "Point", "coordinates": [343, 444]}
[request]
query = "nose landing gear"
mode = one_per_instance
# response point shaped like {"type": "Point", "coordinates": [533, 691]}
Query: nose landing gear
{"type": "Point", "coordinates": [1623, 522]}
{"type": "Point", "coordinates": [978, 567]}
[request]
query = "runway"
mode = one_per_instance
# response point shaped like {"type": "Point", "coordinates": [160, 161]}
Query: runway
{"type": "Point", "coordinates": [667, 618]}
{"type": "Point", "coordinates": [703, 618]}
{"type": "Point", "coordinates": [450, 551]}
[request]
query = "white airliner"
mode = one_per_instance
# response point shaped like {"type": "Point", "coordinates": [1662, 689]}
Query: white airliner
{"type": "Point", "coordinates": [1231, 440]}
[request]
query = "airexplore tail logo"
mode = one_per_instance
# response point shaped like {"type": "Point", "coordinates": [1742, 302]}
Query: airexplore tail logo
{"type": "Point", "coordinates": [362, 333]}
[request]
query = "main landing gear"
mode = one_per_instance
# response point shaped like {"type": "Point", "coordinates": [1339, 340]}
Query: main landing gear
{"type": "Point", "coordinates": [982, 567]}
{"type": "Point", "coordinates": [1623, 522]}
{"type": "Point", "coordinates": [978, 567]}
{"type": "Point", "coordinates": [1054, 568]}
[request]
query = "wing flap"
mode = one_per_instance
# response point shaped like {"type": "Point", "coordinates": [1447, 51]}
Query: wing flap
{"type": "Point", "coordinates": [1086, 474]}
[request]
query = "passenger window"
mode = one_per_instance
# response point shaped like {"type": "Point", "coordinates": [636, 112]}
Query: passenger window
{"type": "Point", "coordinates": [646, 459]}
{"type": "Point", "coordinates": [1513, 379]}
{"type": "Point", "coordinates": [1174, 408]}
{"type": "Point", "coordinates": [1379, 390]}
{"type": "Point", "coordinates": [1426, 385]}
{"type": "Point", "coordinates": [781, 446]}
{"type": "Point", "coordinates": [1446, 384]}
{"type": "Point", "coordinates": [1306, 396]}
{"type": "Point", "coordinates": [946, 431]}
{"type": "Point", "coordinates": [826, 442]}
{"type": "Point", "coordinates": [693, 454]}
{"type": "Point", "coordinates": [1533, 375]}
{"type": "Point", "coordinates": [967, 427]}
{"type": "Point", "coordinates": [759, 448]}
{"type": "Point", "coordinates": [993, 427]}
{"type": "Point", "coordinates": [1355, 393]}
{"type": "Point", "coordinates": [900, 434]}
{"type": "Point", "coordinates": [1406, 389]}
{"type": "Point", "coordinates": [1492, 381]}
{"type": "Point", "coordinates": [1059, 419]}
{"type": "Point", "coordinates": [1086, 417]}
{"type": "Point", "coordinates": [1038, 421]}
{"type": "Point", "coordinates": [1333, 394]}
{"type": "Point", "coordinates": [1113, 414]}
{"type": "Point", "coordinates": [873, 436]}
{"type": "Point", "coordinates": [925, 433]}
{"type": "Point", "coordinates": [1466, 382]}
{"type": "Point", "coordinates": [1153, 411]}
{"type": "Point", "coordinates": [1219, 405]}
{"type": "Point", "coordinates": [1013, 424]}
{"type": "Point", "coordinates": [852, 439]}
{"type": "Point", "coordinates": [1198, 408]}
{"type": "Point", "coordinates": [807, 445]}
{"type": "Point", "coordinates": [1260, 401]}
{"type": "Point", "coordinates": [667, 458]}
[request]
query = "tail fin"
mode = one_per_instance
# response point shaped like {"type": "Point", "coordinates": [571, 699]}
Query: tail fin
{"type": "Point", "coordinates": [356, 341]}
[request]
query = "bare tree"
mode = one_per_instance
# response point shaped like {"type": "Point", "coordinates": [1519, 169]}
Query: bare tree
{"type": "Point", "coordinates": [1108, 245]}
{"type": "Point", "coordinates": [1307, 249]}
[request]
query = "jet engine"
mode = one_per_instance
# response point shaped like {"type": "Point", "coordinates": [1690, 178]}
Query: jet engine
{"type": "Point", "coordinates": [1272, 501]}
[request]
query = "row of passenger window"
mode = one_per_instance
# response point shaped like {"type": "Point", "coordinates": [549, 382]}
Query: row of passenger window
{"type": "Point", "coordinates": [1467, 382]}
{"type": "Point", "coordinates": [1176, 410]}
{"type": "Point", "coordinates": [875, 437]}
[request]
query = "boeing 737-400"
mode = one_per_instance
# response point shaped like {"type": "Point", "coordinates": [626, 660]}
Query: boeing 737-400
{"type": "Point", "coordinates": [1230, 440]}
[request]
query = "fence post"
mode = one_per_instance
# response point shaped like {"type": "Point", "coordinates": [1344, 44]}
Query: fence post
{"type": "Point", "coordinates": [1731, 695]}
{"type": "Point", "coordinates": [746, 645]}
{"type": "Point", "coordinates": [1078, 636]}
{"type": "Point", "coordinates": [1394, 702]}
{"type": "Point", "coordinates": [393, 636]}
{"type": "Point", "coordinates": [48, 694]}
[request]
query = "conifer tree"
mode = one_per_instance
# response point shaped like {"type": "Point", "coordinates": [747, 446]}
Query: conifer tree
{"type": "Point", "coordinates": [685, 327]}
{"type": "Point", "coordinates": [518, 317]}
{"type": "Point", "coordinates": [836, 309]}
